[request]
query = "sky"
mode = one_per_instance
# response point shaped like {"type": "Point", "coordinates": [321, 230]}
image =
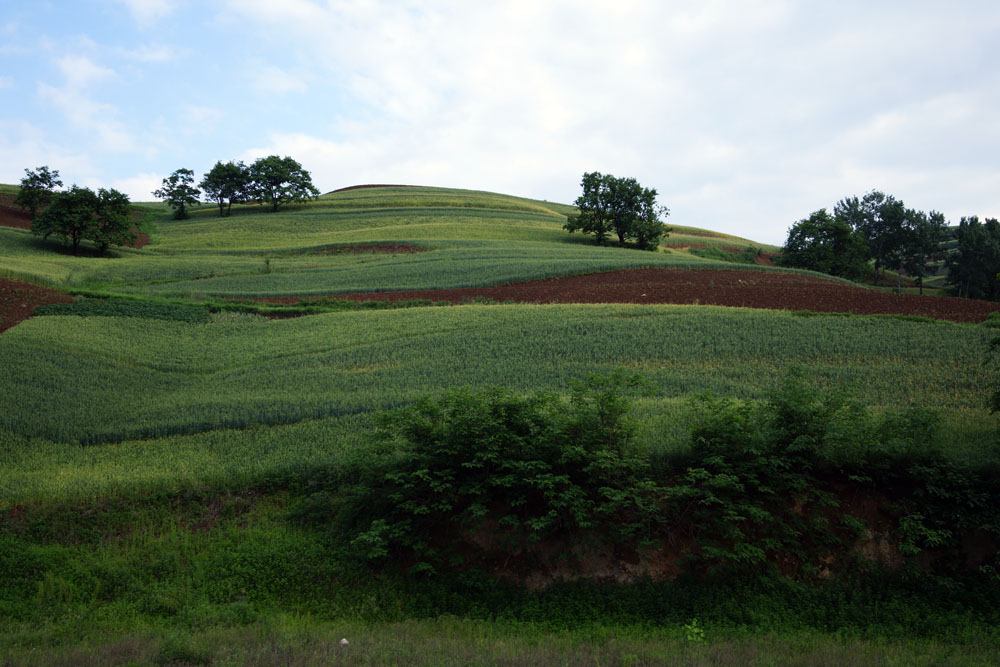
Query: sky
{"type": "Point", "coordinates": [745, 116]}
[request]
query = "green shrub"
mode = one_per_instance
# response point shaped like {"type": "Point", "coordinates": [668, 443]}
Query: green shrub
{"type": "Point", "coordinates": [522, 469]}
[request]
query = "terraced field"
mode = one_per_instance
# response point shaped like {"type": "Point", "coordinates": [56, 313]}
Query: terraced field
{"type": "Point", "coordinates": [190, 427]}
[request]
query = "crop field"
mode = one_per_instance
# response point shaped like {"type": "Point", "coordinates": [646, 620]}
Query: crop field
{"type": "Point", "coordinates": [471, 239]}
{"type": "Point", "coordinates": [105, 380]}
{"type": "Point", "coordinates": [170, 447]}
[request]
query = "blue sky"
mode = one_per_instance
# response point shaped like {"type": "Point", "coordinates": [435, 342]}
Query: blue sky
{"type": "Point", "coordinates": [745, 116]}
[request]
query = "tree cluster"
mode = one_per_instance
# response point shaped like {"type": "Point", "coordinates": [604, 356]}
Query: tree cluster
{"type": "Point", "coordinates": [101, 217]}
{"type": "Point", "coordinates": [974, 265]}
{"type": "Point", "coordinates": [876, 229]}
{"type": "Point", "coordinates": [271, 180]}
{"type": "Point", "coordinates": [76, 215]}
{"type": "Point", "coordinates": [620, 206]}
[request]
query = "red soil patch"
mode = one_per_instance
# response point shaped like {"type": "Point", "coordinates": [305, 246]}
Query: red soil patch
{"type": "Point", "coordinates": [750, 289]}
{"type": "Point", "coordinates": [13, 216]}
{"type": "Point", "coordinates": [18, 300]}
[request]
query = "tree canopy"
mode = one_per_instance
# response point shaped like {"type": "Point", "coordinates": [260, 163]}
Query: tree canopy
{"type": "Point", "coordinates": [227, 183]}
{"type": "Point", "coordinates": [919, 240]}
{"type": "Point", "coordinates": [975, 263]}
{"type": "Point", "coordinates": [278, 181]}
{"type": "Point", "coordinates": [620, 205]}
{"type": "Point", "coordinates": [875, 228]}
{"type": "Point", "coordinates": [824, 243]}
{"type": "Point", "coordinates": [37, 189]}
{"type": "Point", "coordinates": [178, 192]}
{"type": "Point", "coordinates": [81, 214]}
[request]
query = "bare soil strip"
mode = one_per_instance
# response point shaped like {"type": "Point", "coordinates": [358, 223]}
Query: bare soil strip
{"type": "Point", "coordinates": [18, 300]}
{"type": "Point", "coordinates": [749, 289]}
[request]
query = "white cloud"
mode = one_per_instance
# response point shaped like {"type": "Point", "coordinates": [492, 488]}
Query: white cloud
{"type": "Point", "coordinates": [25, 146]}
{"type": "Point", "coordinates": [148, 12]}
{"type": "Point", "coordinates": [81, 72]}
{"type": "Point", "coordinates": [274, 80]}
{"type": "Point", "coordinates": [139, 187]}
{"type": "Point", "coordinates": [202, 119]}
{"type": "Point", "coordinates": [150, 53]}
{"type": "Point", "coordinates": [74, 100]}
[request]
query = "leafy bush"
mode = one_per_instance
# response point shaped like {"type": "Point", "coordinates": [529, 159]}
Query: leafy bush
{"type": "Point", "coordinates": [475, 476]}
{"type": "Point", "coordinates": [474, 472]}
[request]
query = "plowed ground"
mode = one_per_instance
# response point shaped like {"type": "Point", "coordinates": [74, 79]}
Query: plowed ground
{"type": "Point", "coordinates": [751, 289]}
{"type": "Point", "coordinates": [18, 300]}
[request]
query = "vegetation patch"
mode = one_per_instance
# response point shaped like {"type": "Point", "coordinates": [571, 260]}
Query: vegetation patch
{"type": "Point", "coordinates": [386, 248]}
{"type": "Point", "coordinates": [531, 488]}
{"type": "Point", "coordinates": [126, 307]}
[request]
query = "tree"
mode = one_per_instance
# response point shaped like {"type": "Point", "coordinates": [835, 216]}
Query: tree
{"type": "Point", "coordinates": [37, 189]}
{"type": "Point", "coordinates": [278, 181]}
{"type": "Point", "coordinates": [620, 205]}
{"type": "Point", "coordinates": [827, 244]}
{"type": "Point", "coordinates": [226, 184]}
{"type": "Point", "coordinates": [178, 191]}
{"type": "Point", "coordinates": [80, 213]}
{"type": "Point", "coordinates": [975, 263]}
{"type": "Point", "coordinates": [920, 242]}
{"type": "Point", "coordinates": [113, 221]}
{"type": "Point", "coordinates": [880, 218]}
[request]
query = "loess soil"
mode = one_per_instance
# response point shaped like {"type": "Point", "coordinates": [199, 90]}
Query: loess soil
{"type": "Point", "coordinates": [18, 300]}
{"type": "Point", "coordinates": [750, 289]}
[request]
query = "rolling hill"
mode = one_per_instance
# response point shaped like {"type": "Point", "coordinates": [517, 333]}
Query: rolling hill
{"type": "Point", "coordinates": [176, 429]}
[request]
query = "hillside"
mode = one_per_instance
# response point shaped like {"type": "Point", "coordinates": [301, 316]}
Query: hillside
{"type": "Point", "coordinates": [183, 422]}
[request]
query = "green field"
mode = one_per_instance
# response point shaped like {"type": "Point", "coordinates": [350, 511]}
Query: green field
{"type": "Point", "coordinates": [469, 239]}
{"type": "Point", "coordinates": [151, 470]}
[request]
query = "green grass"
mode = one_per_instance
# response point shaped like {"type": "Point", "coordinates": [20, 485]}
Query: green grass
{"type": "Point", "coordinates": [473, 239]}
{"type": "Point", "coordinates": [153, 383]}
{"type": "Point", "coordinates": [151, 459]}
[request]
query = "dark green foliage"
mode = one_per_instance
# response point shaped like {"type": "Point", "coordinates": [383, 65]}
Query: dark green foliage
{"type": "Point", "coordinates": [81, 214]}
{"type": "Point", "coordinates": [880, 219]}
{"type": "Point", "coordinates": [975, 263]}
{"type": "Point", "coordinates": [826, 244]}
{"type": "Point", "coordinates": [124, 307]}
{"type": "Point", "coordinates": [275, 180]}
{"type": "Point", "coordinates": [226, 184]}
{"type": "Point", "coordinates": [748, 255]}
{"type": "Point", "coordinates": [524, 469]}
{"type": "Point", "coordinates": [922, 236]}
{"type": "Point", "coordinates": [760, 477]}
{"type": "Point", "coordinates": [620, 205]}
{"type": "Point", "coordinates": [757, 490]}
{"type": "Point", "coordinates": [113, 223]}
{"type": "Point", "coordinates": [37, 189]}
{"type": "Point", "coordinates": [178, 192]}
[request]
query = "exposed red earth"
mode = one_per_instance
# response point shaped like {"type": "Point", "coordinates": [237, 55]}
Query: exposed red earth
{"type": "Point", "coordinates": [13, 216]}
{"type": "Point", "coordinates": [751, 289]}
{"type": "Point", "coordinates": [18, 300]}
